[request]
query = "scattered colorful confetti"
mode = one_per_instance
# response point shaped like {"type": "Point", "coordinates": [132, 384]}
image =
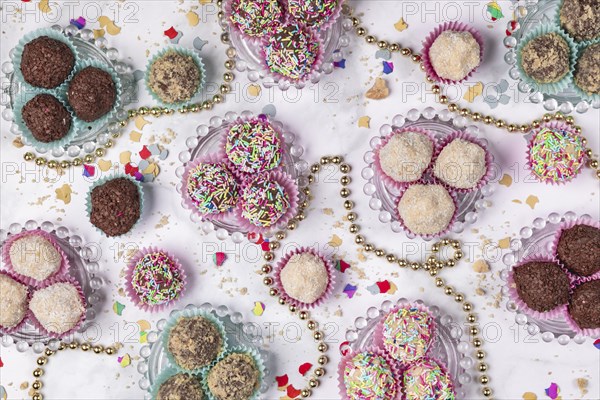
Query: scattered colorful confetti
{"type": "Point", "coordinates": [388, 67]}
{"type": "Point", "coordinates": [344, 348]}
{"type": "Point", "coordinates": [506, 180]}
{"type": "Point", "coordinates": [219, 258]}
{"type": "Point", "coordinates": [109, 25]}
{"type": "Point", "coordinates": [171, 33]}
{"type": "Point", "coordinates": [98, 33]}
{"type": "Point", "coordinates": [141, 122]}
{"type": "Point", "coordinates": [144, 325]}
{"type": "Point", "coordinates": [199, 43]}
{"type": "Point", "coordinates": [145, 153]}
{"type": "Point", "coordinates": [340, 64]}
{"type": "Point", "coordinates": [532, 201]}
{"type": "Point", "coordinates": [79, 22]}
{"type": "Point", "coordinates": [89, 170]}
{"type": "Point", "coordinates": [3, 395]}
{"type": "Point", "coordinates": [259, 308]}
{"type": "Point", "coordinates": [253, 90]}
{"type": "Point", "coordinates": [118, 308]}
{"type": "Point", "coordinates": [552, 391]}
{"type": "Point", "coordinates": [401, 25]}
{"type": "Point", "coordinates": [63, 193]}
{"type": "Point", "coordinates": [494, 10]}
{"type": "Point", "coordinates": [44, 6]}
{"type": "Point", "coordinates": [192, 18]}
{"type": "Point", "coordinates": [473, 92]}
{"type": "Point", "coordinates": [292, 392]}
{"type": "Point", "coordinates": [364, 122]}
{"type": "Point", "coordinates": [350, 290]}
{"type": "Point", "coordinates": [143, 337]}
{"type": "Point", "coordinates": [379, 90]}
{"type": "Point", "coordinates": [282, 381]}
{"type": "Point", "coordinates": [304, 368]}
{"type": "Point", "coordinates": [125, 361]}
{"type": "Point", "coordinates": [255, 238]}
{"type": "Point", "coordinates": [384, 54]}
{"type": "Point", "coordinates": [135, 136]}
{"type": "Point", "coordinates": [383, 287]}
{"type": "Point", "coordinates": [342, 266]}
{"type": "Point", "coordinates": [104, 165]}
{"type": "Point", "coordinates": [597, 344]}
{"type": "Point", "coordinates": [1, 363]}
{"type": "Point", "coordinates": [335, 241]}
{"type": "Point", "coordinates": [529, 396]}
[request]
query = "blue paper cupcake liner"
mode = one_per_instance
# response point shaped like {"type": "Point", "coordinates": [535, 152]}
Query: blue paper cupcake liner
{"type": "Point", "coordinates": [164, 376]}
{"type": "Point", "coordinates": [102, 181]}
{"type": "Point", "coordinates": [20, 101]}
{"type": "Point", "coordinates": [583, 43]}
{"type": "Point", "coordinates": [103, 120]}
{"type": "Point", "coordinates": [192, 313]}
{"type": "Point", "coordinates": [547, 88]}
{"type": "Point", "coordinates": [197, 97]}
{"type": "Point", "coordinates": [584, 95]}
{"type": "Point", "coordinates": [258, 361]}
{"type": "Point", "coordinates": [51, 33]}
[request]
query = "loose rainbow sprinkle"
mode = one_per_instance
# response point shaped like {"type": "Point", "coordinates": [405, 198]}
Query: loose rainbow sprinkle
{"type": "Point", "coordinates": [291, 51]}
{"type": "Point", "coordinates": [156, 279]}
{"type": "Point", "coordinates": [556, 155]}
{"type": "Point", "coordinates": [212, 188]}
{"type": "Point", "coordinates": [312, 12]}
{"type": "Point", "coordinates": [425, 380]}
{"type": "Point", "coordinates": [407, 334]}
{"type": "Point", "coordinates": [264, 202]}
{"type": "Point", "coordinates": [369, 376]}
{"type": "Point", "coordinates": [254, 146]}
{"type": "Point", "coordinates": [256, 17]}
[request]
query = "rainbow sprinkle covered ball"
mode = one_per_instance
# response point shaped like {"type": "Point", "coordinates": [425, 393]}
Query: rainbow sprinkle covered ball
{"type": "Point", "coordinates": [264, 202]}
{"type": "Point", "coordinates": [256, 18]}
{"type": "Point", "coordinates": [369, 376]}
{"type": "Point", "coordinates": [426, 380]}
{"type": "Point", "coordinates": [212, 188]}
{"type": "Point", "coordinates": [254, 146]}
{"type": "Point", "coordinates": [312, 12]}
{"type": "Point", "coordinates": [157, 279]}
{"type": "Point", "coordinates": [407, 333]}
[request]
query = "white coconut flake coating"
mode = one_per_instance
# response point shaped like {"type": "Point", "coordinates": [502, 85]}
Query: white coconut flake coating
{"type": "Point", "coordinates": [35, 257]}
{"type": "Point", "coordinates": [461, 164]}
{"type": "Point", "coordinates": [13, 302]}
{"type": "Point", "coordinates": [426, 209]}
{"type": "Point", "coordinates": [454, 55]}
{"type": "Point", "coordinates": [58, 307]}
{"type": "Point", "coordinates": [305, 277]}
{"type": "Point", "coordinates": [406, 156]}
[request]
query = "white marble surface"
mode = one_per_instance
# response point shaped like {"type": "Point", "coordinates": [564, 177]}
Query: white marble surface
{"type": "Point", "coordinates": [324, 117]}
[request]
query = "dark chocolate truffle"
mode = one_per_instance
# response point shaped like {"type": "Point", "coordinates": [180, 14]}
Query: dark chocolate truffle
{"type": "Point", "coordinates": [47, 119]}
{"type": "Point", "coordinates": [584, 307]}
{"type": "Point", "coordinates": [542, 285]}
{"type": "Point", "coordinates": [115, 206]}
{"type": "Point", "coordinates": [235, 377]}
{"type": "Point", "coordinates": [587, 70]}
{"type": "Point", "coordinates": [579, 249]}
{"type": "Point", "coordinates": [92, 93]}
{"type": "Point", "coordinates": [181, 387]}
{"type": "Point", "coordinates": [546, 58]}
{"type": "Point", "coordinates": [46, 62]}
{"type": "Point", "coordinates": [194, 342]}
{"type": "Point", "coordinates": [581, 18]}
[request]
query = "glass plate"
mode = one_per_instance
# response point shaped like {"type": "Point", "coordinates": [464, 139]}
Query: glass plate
{"type": "Point", "coordinates": [83, 259]}
{"type": "Point", "coordinates": [154, 360]}
{"type": "Point", "coordinates": [384, 198]}
{"type": "Point", "coordinates": [531, 15]}
{"type": "Point", "coordinates": [533, 239]}
{"type": "Point", "coordinates": [208, 140]}
{"type": "Point", "coordinates": [88, 48]}
{"type": "Point", "coordinates": [449, 346]}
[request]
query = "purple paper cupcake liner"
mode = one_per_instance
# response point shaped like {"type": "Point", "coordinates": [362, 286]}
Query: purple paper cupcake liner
{"type": "Point", "coordinates": [130, 290]}
{"type": "Point", "coordinates": [388, 180]}
{"type": "Point", "coordinates": [75, 328]}
{"type": "Point", "coordinates": [443, 368]}
{"type": "Point", "coordinates": [255, 40]}
{"type": "Point", "coordinates": [427, 236]}
{"type": "Point", "coordinates": [314, 71]}
{"type": "Point", "coordinates": [378, 336]}
{"type": "Point", "coordinates": [329, 266]}
{"type": "Point", "coordinates": [347, 359]}
{"type": "Point", "coordinates": [324, 25]}
{"type": "Point", "coordinates": [489, 161]}
{"type": "Point", "coordinates": [559, 126]}
{"type": "Point", "coordinates": [590, 332]}
{"type": "Point", "coordinates": [449, 26]}
{"type": "Point", "coordinates": [64, 263]}
{"type": "Point", "coordinates": [212, 158]}
{"type": "Point", "coordinates": [567, 225]}
{"type": "Point", "coordinates": [27, 316]}
{"type": "Point", "coordinates": [289, 186]}
{"type": "Point", "coordinates": [514, 295]}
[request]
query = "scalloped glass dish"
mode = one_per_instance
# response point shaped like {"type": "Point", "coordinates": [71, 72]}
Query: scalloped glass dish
{"type": "Point", "coordinates": [385, 198]}
{"type": "Point", "coordinates": [208, 140]}
{"type": "Point", "coordinates": [154, 359]}
{"type": "Point", "coordinates": [539, 236]}
{"type": "Point", "coordinates": [85, 141]}
{"type": "Point", "coordinates": [83, 259]}
{"type": "Point", "coordinates": [449, 346]}
{"type": "Point", "coordinates": [532, 14]}
{"type": "Point", "coordinates": [249, 59]}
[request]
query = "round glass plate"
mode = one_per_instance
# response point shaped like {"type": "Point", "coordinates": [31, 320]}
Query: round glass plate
{"type": "Point", "coordinates": [154, 359]}
{"type": "Point", "coordinates": [537, 239]}
{"type": "Point", "coordinates": [83, 259]}
{"type": "Point", "coordinates": [249, 58]}
{"type": "Point", "coordinates": [208, 140]}
{"type": "Point", "coordinates": [449, 346]}
{"type": "Point", "coordinates": [529, 16]}
{"type": "Point", "coordinates": [86, 140]}
{"type": "Point", "coordinates": [384, 198]}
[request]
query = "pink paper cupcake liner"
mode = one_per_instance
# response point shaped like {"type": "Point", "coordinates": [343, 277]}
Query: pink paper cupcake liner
{"type": "Point", "coordinates": [378, 336]}
{"type": "Point", "coordinates": [514, 295]}
{"type": "Point", "coordinates": [212, 158]}
{"type": "Point", "coordinates": [325, 25]}
{"type": "Point", "coordinates": [347, 359]}
{"type": "Point", "coordinates": [55, 335]}
{"type": "Point", "coordinates": [449, 26]}
{"type": "Point", "coordinates": [426, 236]}
{"type": "Point", "coordinates": [130, 291]}
{"type": "Point", "coordinates": [314, 71]}
{"type": "Point", "coordinates": [289, 186]}
{"type": "Point", "coordinates": [255, 40]}
{"type": "Point", "coordinates": [593, 333]}
{"type": "Point", "coordinates": [27, 316]}
{"type": "Point", "coordinates": [388, 180]}
{"type": "Point", "coordinates": [567, 225]}
{"type": "Point", "coordinates": [64, 263]}
{"type": "Point", "coordinates": [443, 368]}
{"type": "Point", "coordinates": [330, 273]}
{"type": "Point", "coordinates": [489, 161]}
{"type": "Point", "coordinates": [559, 125]}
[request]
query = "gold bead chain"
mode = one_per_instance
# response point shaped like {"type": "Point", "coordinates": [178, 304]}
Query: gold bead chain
{"type": "Point", "coordinates": [432, 265]}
